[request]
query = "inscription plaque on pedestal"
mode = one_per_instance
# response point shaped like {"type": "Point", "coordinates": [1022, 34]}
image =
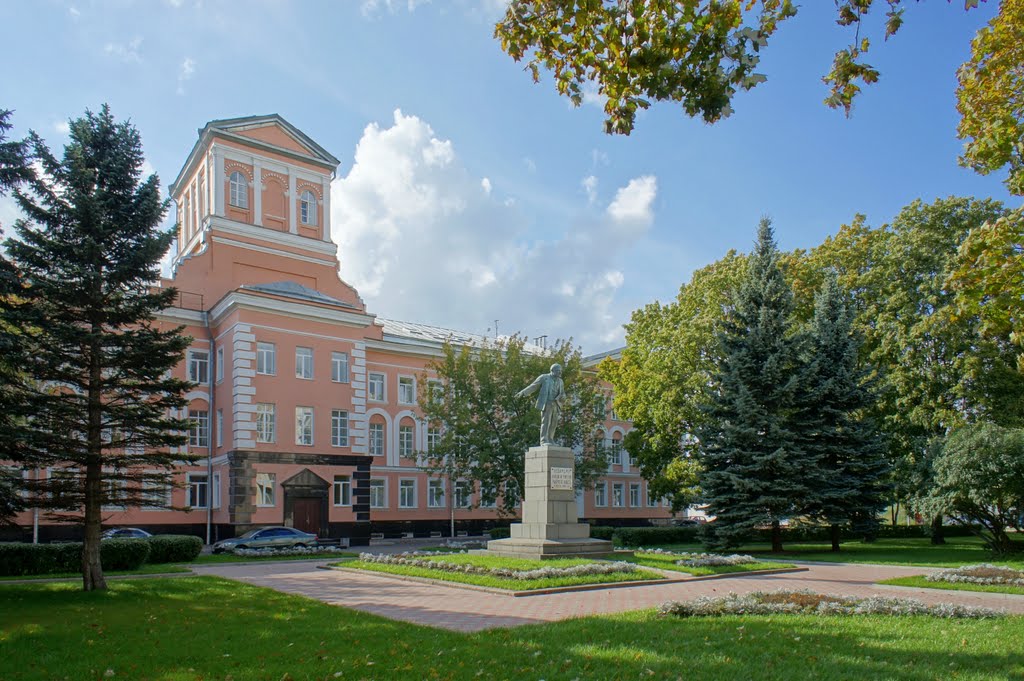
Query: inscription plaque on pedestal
{"type": "Point", "coordinates": [561, 478]}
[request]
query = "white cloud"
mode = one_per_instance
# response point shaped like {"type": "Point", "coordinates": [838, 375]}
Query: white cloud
{"type": "Point", "coordinates": [370, 8]}
{"type": "Point", "coordinates": [74, 12]}
{"type": "Point", "coordinates": [632, 204]}
{"type": "Point", "coordinates": [530, 165]}
{"type": "Point", "coordinates": [590, 186]}
{"type": "Point", "coordinates": [128, 53]}
{"type": "Point", "coordinates": [591, 96]}
{"type": "Point", "coordinates": [185, 73]}
{"type": "Point", "coordinates": [62, 127]}
{"type": "Point", "coordinates": [422, 242]}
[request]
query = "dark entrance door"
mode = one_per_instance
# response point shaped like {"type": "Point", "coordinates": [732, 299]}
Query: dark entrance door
{"type": "Point", "coordinates": [306, 515]}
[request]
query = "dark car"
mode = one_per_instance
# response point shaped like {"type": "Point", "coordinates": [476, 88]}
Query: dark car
{"type": "Point", "coordinates": [267, 538]}
{"type": "Point", "coordinates": [125, 533]}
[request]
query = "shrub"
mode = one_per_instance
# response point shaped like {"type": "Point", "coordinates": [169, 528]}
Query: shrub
{"type": "Point", "coordinates": [122, 554]}
{"type": "Point", "coordinates": [652, 536]}
{"type": "Point", "coordinates": [174, 548]}
{"type": "Point", "coordinates": [602, 532]}
{"type": "Point", "coordinates": [18, 559]}
{"type": "Point", "coordinates": [499, 532]}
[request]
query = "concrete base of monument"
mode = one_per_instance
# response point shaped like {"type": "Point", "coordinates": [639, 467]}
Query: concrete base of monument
{"type": "Point", "coordinates": [546, 549]}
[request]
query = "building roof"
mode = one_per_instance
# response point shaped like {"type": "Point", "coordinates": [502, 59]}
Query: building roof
{"type": "Point", "coordinates": [594, 360]}
{"type": "Point", "coordinates": [413, 332]}
{"type": "Point", "coordinates": [290, 289]}
{"type": "Point", "coordinates": [244, 122]}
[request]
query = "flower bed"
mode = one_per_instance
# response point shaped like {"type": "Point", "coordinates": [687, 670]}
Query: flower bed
{"type": "Point", "coordinates": [687, 559]}
{"type": "Point", "coordinates": [983, 573]}
{"type": "Point", "coordinates": [810, 603]}
{"type": "Point", "coordinates": [291, 551]}
{"type": "Point", "coordinates": [411, 560]}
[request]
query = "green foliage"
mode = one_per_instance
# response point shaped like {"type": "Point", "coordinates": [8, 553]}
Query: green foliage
{"type": "Point", "coordinates": [14, 157]}
{"type": "Point", "coordinates": [655, 536]}
{"type": "Point", "coordinates": [694, 52]}
{"type": "Point", "coordinates": [602, 532]}
{"type": "Point", "coordinates": [174, 548]}
{"type": "Point", "coordinates": [96, 388]}
{"type": "Point", "coordinates": [484, 429]}
{"type": "Point", "coordinates": [757, 469]}
{"type": "Point", "coordinates": [664, 376]}
{"type": "Point", "coordinates": [841, 435]}
{"type": "Point", "coordinates": [39, 559]}
{"type": "Point", "coordinates": [990, 98]}
{"type": "Point", "coordinates": [979, 479]}
{"type": "Point", "coordinates": [499, 532]}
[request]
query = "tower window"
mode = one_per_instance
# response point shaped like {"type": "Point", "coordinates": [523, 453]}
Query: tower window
{"type": "Point", "coordinates": [307, 207]}
{"type": "Point", "coordinates": [239, 190]}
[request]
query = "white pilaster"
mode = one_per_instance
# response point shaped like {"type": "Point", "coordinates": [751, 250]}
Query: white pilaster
{"type": "Point", "coordinates": [257, 192]}
{"type": "Point", "coordinates": [290, 202]}
{"type": "Point", "coordinates": [218, 180]}
{"type": "Point", "coordinates": [326, 208]}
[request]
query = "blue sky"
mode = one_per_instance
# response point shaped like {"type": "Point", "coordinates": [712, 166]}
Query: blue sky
{"type": "Point", "coordinates": [466, 192]}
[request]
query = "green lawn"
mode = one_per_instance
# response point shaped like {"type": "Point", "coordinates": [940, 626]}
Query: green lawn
{"type": "Point", "coordinates": [503, 562]}
{"type": "Point", "coordinates": [664, 562]}
{"type": "Point", "coordinates": [147, 569]}
{"type": "Point", "coordinates": [956, 552]}
{"type": "Point", "coordinates": [204, 628]}
{"type": "Point", "coordinates": [922, 583]}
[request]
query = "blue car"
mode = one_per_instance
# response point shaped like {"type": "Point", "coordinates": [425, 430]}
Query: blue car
{"type": "Point", "coordinates": [267, 538]}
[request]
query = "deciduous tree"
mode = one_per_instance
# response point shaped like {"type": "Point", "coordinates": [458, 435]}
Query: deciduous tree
{"type": "Point", "coordinates": [481, 429]}
{"type": "Point", "coordinates": [98, 392]}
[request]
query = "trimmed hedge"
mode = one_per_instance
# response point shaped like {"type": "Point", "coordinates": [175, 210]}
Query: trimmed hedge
{"type": "Point", "coordinates": [602, 532]}
{"type": "Point", "coordinates": [19, 559]}
{"type": "Point", "coordinates": [499, 532]}
{"type": "Point", "coordinates": [174, 548]}
{"type": "Point", "coordinates": [652, 536]}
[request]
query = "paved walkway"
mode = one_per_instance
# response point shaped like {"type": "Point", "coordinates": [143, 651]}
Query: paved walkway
{"type": "Point", "coordinates": [466, 610]}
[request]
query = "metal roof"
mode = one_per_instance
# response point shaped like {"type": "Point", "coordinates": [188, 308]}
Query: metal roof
{"type": "Point", "coordinates": [290, 289]}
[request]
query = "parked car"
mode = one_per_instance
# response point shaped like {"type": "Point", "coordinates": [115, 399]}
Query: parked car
{"type": "Point", "coordinates": [267, 538]}
{"type": "Point", "coordinates": [124, 533]}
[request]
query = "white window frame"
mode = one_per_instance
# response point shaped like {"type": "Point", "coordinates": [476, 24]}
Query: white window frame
{"type": "Point", "coordinates": [219, 366]}
{"type": "Point", "coordinates": [339, 428]}
{"type": "Point", "coordinates": [651, 501]}
{"type": "Point", "coordinates": [616, 452]}
{"type": "Point", "coordinates": [307, 207]}
{"type": "Point", "coordinates": [266, 489]}
{"type": "Point", "coordinates": [304, 363]}
{"type": "Point", "coordinates": [339, 367]}
{"type": "Point", "coordinates": [404, 485]}
{"type": "Point", "coordinates": [620, 501]}
{"type": "Point", "coordinates": [113, 487]}
{"type": "Point", "coordinates": [215, 489]}
{"type": "Point", "coordinates": [433, 486]}
{"type": "Point", "coordinates": [199, 366]}
{"type": "Point", "coordinates": [342, 490]}
{"type": "Point", "coordinates": [375, 440]}
{"type": "Point", "coordinates": [266, 359]}
{"type": "Point", "coordinates": [301, 430]}
{"type": "Point", "coordinates": [202, 482]}
{"type": "Point", "coordinates": [382, 484]}
{"type": "Point", "coordinates": [463, 489]}
{"type": "Point", "coordinates": [238, 192]}
{"type": "Point", "coordinates": [634, 499]}
{"type": "Point", "coordinates": [433, 438]}
{"type": "Point", "coordinates": [488, 504]}
{"type": "Point", "coordinates": [376, 386]}
{"type": "Point", "coordinates": [268, 418]}
{"type": "Point", "coordinates": [157, 494]}
{"type": "Point", "coordinates": [199, 429]}
{"type": "Point", "coordinates": [601, 495]}
{"type": "Point", "coordinates": [219, 427]}
{"type": "Point", "coordinates": [409, 383]}
{"type": "Point", "coordinates": [406, 440]}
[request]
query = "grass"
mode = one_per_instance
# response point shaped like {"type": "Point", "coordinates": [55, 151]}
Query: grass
{"type": "Point", "coordinates": [203, 628]}
{"type": "Point", "coordinates": [217, 558]}
{"type": "Point", "coordinates": [146, 569]}
{"type": "Point", "coordinates": [664, 562]}
{"type": "Point", "coordinates": [920, 582]}
{"type": "Point", "coordinates": [504, 562]}
{"type": "Point", "coordinates": [956, 552]}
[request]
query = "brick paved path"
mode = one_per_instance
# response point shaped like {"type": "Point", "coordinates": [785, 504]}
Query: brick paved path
{"type": "Point", "coordinates": [466, 610]}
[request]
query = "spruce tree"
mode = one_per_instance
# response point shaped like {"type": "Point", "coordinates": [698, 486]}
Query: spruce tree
{"type": "Point", "coordinates": [98, 395]}
{"type": "Point", "coordinates": [843, 438]}
{"type": "Point", "coordinates": [756, 472]}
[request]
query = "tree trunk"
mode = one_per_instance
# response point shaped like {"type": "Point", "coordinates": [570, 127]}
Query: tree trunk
{"type": "Point", "coordinates": [92, 569]}
{"type": "Point", "coordinates": [894, 514]}
{"type": "Point", "coordinates": [938, 535]}
{"type": "Point", "coordinates": [834, 532]}
{"type": "Point", "coordinates": [776, 537]}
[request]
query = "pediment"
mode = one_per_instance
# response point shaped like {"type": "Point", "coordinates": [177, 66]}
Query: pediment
{"type": "Point", "coordinates": [305, 478]}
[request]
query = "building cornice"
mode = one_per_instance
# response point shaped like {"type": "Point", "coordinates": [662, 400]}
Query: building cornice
{"type": "Point", "coordinates": [218, 223]}
{"type": "Point", "coordinates": [316, 313]}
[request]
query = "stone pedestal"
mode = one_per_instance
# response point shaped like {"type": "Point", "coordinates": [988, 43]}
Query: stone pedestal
{"type": "Point", "coordinates": [550, 528]}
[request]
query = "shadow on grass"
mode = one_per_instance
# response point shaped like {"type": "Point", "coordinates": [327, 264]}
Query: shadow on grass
{"type": "Point", "coordinates": [210, 628]}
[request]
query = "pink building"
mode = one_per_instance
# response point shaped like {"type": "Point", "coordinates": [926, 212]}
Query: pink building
{"type": "Point", "coordinates": [305, 410]}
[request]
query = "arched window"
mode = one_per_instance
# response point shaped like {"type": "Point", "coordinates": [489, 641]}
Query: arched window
{"type": "Point", "coordinates": [307, 207]}
{"type": "Point", "coordinates": [239, 190]}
